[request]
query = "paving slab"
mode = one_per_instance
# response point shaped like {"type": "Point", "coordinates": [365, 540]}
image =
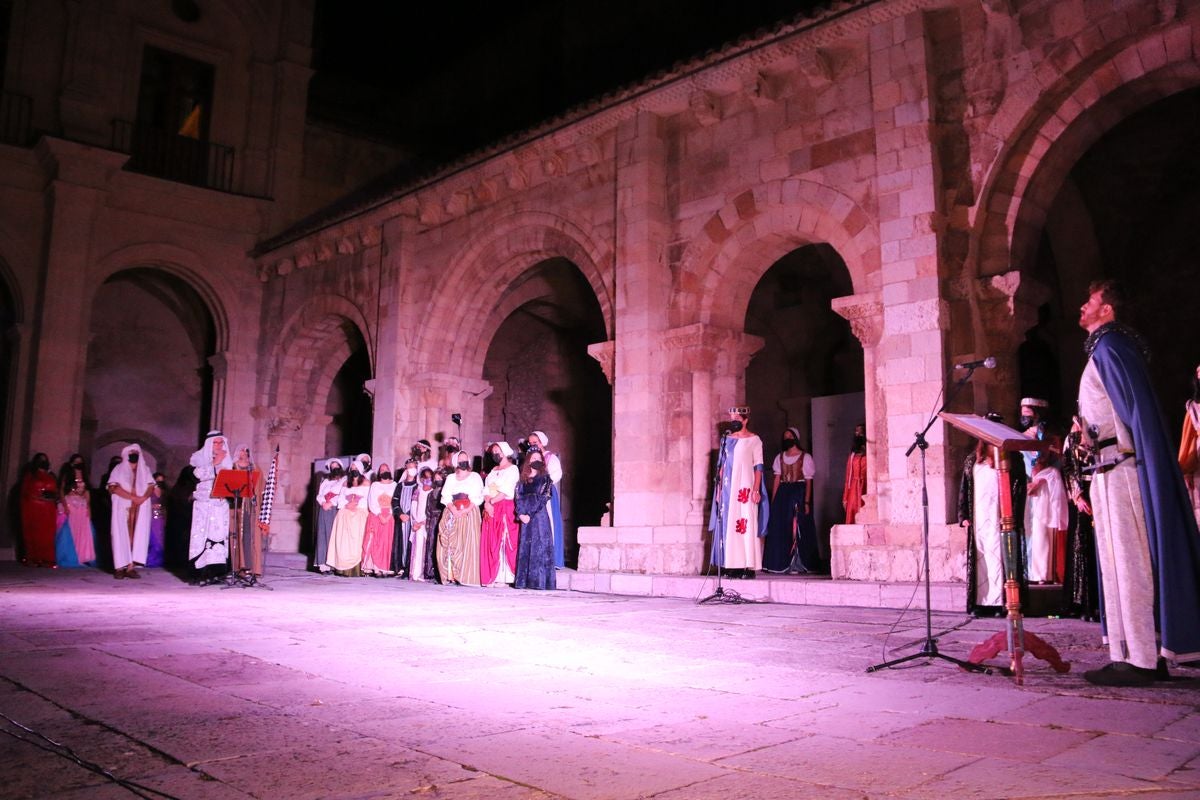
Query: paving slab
{"type": "Point", "coordinates": [341, 688]}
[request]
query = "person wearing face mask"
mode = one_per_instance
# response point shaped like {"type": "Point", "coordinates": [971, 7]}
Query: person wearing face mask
{"type": "Point", "coordinates": [401, 501]}
{"type": "Point", "coordinates": [535, 549]}
{"type": "Point", "coordinates": [458, 529]}
{"type": "Point", "coordinates": [381, 525]}
{"type": "Point", "coordinates": [499, 537]}
{"type": "Point", "coordinates": [39, 515]}
{"type": "Point", "coordinates": [328, 492]}
{"type": "Point", "coordinates": [791, 543]}
{"type": "Point", "coordinates": [855, 487]}
{"type": "Point", "coordinates": [131, 484]}
{"type": "Point", "coordinates": [349, 528]}
{"type": "Point", "coordinates": [208, 547]}
{"type": "Point", "coordinates": [420, 566]}
{"type": "Point", "coordinates": [1046, 508]}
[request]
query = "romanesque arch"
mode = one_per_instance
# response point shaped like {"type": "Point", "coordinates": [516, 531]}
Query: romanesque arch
{"type": "Point", "coordinates": [492, 265]}
{"type": "Point", "coordinates": [313, 345]}
{"type": "Point", "coordinates": [731, 250]}
{"type": "Point", "coordinates": [1044, 131]}
{"type": "Point", "coordinates": [1027, 192]}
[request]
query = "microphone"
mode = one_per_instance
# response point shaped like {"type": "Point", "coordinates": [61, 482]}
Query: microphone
{"type": "Point", "coordinates": [986, 363]}
{"type": "Point", "coordinates": [733, 426]}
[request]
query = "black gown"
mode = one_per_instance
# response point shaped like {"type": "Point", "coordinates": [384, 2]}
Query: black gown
{"type": "Point", "coordinates": [535, 547]}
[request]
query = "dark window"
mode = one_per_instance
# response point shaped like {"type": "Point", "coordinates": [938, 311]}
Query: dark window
{"type": "Point", "coordinates": [6, 7]}
{"type": "Point", "coordinates": [176, 94]}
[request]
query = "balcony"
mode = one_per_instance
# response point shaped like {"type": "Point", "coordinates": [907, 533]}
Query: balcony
{"type": "Point", "coordinates": [165, 154]}
{"type": "Point", "coordinates": [16, 119]}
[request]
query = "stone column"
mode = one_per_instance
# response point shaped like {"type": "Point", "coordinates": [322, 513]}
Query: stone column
{"type": "Point", "coordinates": [73, 198]}
{"type": "Point", "coordinates": [912, 354]}
{"type": "Point", "coordinates": [298, 434]}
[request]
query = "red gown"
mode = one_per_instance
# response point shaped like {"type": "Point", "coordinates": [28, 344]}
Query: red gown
{"type": "Point", "coordinates": [39, 494]}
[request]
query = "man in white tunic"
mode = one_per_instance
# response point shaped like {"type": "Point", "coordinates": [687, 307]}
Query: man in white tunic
{"type": "Point", "coordinates": [1146, 538]}
{"type": "Point", "coordinates": [130, 483]}
{"type": "Point", "coordinates": [209, 542]}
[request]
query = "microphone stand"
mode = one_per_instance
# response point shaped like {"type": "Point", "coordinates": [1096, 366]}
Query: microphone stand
{"type": "Point", "coordinates": [721, 595]}
{"type": "Point", "coordinates": [929, 648]}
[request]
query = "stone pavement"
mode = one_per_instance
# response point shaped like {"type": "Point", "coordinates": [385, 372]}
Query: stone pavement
{"type": "Point", "coordinates": [335, 688]}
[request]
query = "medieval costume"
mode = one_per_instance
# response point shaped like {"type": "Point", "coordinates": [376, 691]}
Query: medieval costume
{"type": "Point", "coordinates": [131, 483]}
{"type": "Point", "coordinates": [75, 540]}
{"type": "Point", "coordinates": [381, 525]}
{"type": "Point", "coordinates": [39, 512]}
{"type": "Point", "coordinates": [535, 550]}
{"type": "Point", "coordinates": [208, 546]}
{"type": "Point", "coordinates": [458, 530]}
{"type": "Point", "coordinates": [349, 528]}
{"type": "Point", "coordinates": [419, 540]}
{"type": "Point", "coordinates": [979, 510]}
{"type": "Point", "coordinates": [156, 553]}
{"type": "Point", "coordinates": [1046, 521]}
{"type": "Point", "coordinates": [738, 519]}
{"type": "Point", "coordinates": [554, 508]}
{"type": "Point", "coordinates": [401, 502]}
{"type": "Point", "coordinates": [855, 486]}
{"type": "Point", "coordinates": [1189, 447]}
{"type": "Point", "coordinates": [1081, 587]}
{"type": "Point", "coordinates": [328, 492]}
{"type": "Point", "coordinates": [791, 541]}
{"type": "Point", "coordinates": [1146, 537]}
{"type": "Point", "coordinates": [248, 556]}
{"type": "Point", "coordinates": [499, 534]}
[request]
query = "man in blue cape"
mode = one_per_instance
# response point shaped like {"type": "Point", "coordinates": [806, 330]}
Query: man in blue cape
{"type": "Point", "coordinates": [1146, 538]}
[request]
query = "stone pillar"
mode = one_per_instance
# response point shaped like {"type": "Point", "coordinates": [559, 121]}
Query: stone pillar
{"type": "Point", "coordinates": [912, 355]}
{"type": "Point", "coordinates": [652, 481]}
{"type": "Point", "coordinates": [73, 198]}
{"type": "Point", "coordinates": [298, 435]}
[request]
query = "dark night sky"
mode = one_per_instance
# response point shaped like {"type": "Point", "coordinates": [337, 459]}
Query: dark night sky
{"type": "Point", "coordinates": [445, 78]}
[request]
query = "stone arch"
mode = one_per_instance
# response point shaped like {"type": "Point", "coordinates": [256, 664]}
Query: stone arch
{"type": "Point", "coordinates": [309, 353]}
{"type": "Point", "coordinates": [760, 226]}
{"type": "Point", "coordinates": [182, 263]}
{"type": "Point", "coordinates": [494, 262]}
{"type": "Point", "coordinates": [1044, 131]}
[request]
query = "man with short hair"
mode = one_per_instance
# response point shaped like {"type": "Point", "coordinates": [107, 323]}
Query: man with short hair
{"type": "Point", "coordinates": [1146, 538]}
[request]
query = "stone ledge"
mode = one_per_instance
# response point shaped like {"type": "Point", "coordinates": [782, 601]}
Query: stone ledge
{"type": "Point", "coordinates": [790, 590]}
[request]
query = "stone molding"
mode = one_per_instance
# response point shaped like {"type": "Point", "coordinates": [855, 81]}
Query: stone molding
{"type": "Point", "coordinates": [704, 348]}
{"type": "Point", "coordinates": [864, 312]}
{"type": "Point", "coordinates": [605, 353]}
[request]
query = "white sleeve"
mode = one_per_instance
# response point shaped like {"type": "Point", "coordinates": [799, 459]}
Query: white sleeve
{"type": "Point", "coordinates": [777, 465]}
{"type": "Point", "coordinates": [554, 468]}
{"type": "Point", "coordinates": [808, 467]}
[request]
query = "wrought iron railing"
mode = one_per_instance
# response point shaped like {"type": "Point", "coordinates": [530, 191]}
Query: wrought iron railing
{"type": "Point", "coordinates": [16, 119]}
{"type": "Point", "coordinates": [165, 154]}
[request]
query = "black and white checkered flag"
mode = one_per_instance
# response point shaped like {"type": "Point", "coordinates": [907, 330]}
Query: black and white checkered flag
{"type": "Point", "coordinates": [268, 496]}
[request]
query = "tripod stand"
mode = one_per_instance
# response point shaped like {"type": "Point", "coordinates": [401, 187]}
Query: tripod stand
{"type": "Point", "coordinates": [237, 484]}
{"type": "Point", "coordinates": [929, 647]}
{"type": "Point", "coordinates": [721, 595]}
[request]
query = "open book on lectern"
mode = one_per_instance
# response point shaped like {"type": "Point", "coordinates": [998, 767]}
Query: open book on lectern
{"type": "Point", "coordinates": [996, 434]}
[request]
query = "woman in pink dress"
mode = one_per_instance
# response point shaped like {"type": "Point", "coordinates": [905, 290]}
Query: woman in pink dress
{"type": "Point", "coordinates": [75, 544]}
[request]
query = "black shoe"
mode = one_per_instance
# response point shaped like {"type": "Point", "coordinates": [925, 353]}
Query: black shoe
{"type": "Point", "coordinates": [1161, 673]}
{"type": "Point", "coordinates": [1121, 673]}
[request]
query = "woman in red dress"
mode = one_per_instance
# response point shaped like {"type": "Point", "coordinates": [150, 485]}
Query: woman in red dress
{"type": "Point", "coordinates": [39, 501]}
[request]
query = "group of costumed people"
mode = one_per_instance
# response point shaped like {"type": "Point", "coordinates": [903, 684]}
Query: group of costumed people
{"type": "Point", "coordinates": [439, 520]}
{"type": "Point", "coordinates": [753, 529]}
{"type": "Point", "coordinates": [1109, 511]}
{"type": "Point", "coordinates": [57, 523]}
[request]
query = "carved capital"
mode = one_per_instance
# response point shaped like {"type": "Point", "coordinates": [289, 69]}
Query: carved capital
{"type": "Point", "coordinates": [605, 353]}
{"type": "Point", "coordinates": [706, 348]}
{"type": "Point", "coordinates": [1009, 302]}
{"type": "Point", "coordinates": [864, 312]}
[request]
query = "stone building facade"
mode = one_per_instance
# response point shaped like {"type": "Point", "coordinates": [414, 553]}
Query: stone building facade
{"type": "Point", "coordinates": [927, 147]}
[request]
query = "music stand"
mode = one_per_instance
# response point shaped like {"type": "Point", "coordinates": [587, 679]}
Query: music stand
{"type": "Point", "coordinates": [236, 484]}
{"type": "Point", "coordinates": [1014, 638]}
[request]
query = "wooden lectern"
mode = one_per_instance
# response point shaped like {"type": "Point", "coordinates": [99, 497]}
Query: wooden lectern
{"type": "Point", "coordinates": [1004, 439]}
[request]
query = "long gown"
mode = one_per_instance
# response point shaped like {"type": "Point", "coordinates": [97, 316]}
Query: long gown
{"type": "Point", "coordinates": [736, 522]}
{"type": "Point", "coordinates": [381, 529]}
{"type": "Point", "coordinates": [328, 492]}
{"type": "Point", "coordinates": [458, 547]}
{"type": "Point", "coordinates": [967, 507]}
{"type": "Point", "coordinates": [349, 527]}
{"type": "Point", "coordinates": [156, 554]}
{"type": "Point", "coordinates": [791, 542]}
{"type": "Point", "coordinates": [39, 516]}
{"type": "Point", "coordinates": [499, 534]}
{"type": "Point", "coordinates": [75, 542]}
{"type": "Point", "coordinates": [535, 549]}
